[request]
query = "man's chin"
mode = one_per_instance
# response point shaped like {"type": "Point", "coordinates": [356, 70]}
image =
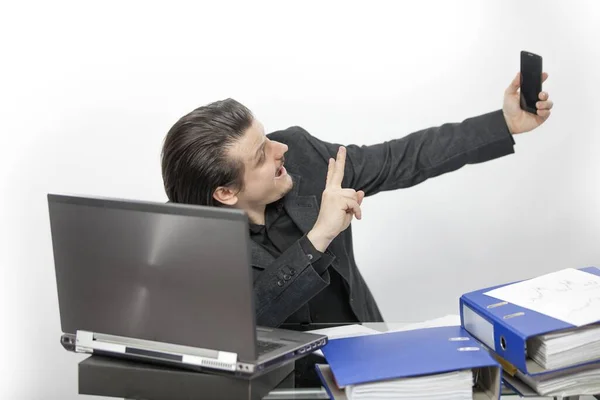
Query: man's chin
{"type": "Point", "coordinates": [289, 187]}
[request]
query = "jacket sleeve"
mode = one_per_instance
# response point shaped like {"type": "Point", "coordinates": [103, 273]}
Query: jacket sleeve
{"type": "Point", "coordinates": [289, 282]}
{"type": "Point", "coordinates": [410, 160]}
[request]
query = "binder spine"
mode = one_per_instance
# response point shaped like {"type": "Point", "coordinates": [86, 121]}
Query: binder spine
{"type": "Point", "coordinates": [477, 326]}
{"type": "Point", "coordinates": [494, 334]}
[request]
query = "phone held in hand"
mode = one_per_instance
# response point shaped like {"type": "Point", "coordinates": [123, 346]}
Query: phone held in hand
{"type": "Point", "coordinates": [531, 80]}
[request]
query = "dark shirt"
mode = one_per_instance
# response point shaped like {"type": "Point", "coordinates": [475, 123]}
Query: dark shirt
{"type": "Point", "coordinates": [280, 232]}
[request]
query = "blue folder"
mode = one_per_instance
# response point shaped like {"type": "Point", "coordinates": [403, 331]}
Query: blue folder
{"type": "Point", "coordinates": [505, 328]}
{"type": "Point", "coordinates": [328, 381]}
{"type": "Point", "coordinates": [378, 357]}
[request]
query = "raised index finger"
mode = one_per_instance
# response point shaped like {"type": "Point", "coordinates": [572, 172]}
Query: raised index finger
{"type": "Point", "coordinates": [338, 170]}
{"type": "Point", "coordinates": [330, 165]}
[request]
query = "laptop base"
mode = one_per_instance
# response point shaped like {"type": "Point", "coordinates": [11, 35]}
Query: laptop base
{"type": "Point", "coordinates": [113, 377]}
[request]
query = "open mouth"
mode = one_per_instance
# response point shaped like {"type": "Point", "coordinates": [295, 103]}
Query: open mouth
{"type": "Point", "coordinates": [280, 171]}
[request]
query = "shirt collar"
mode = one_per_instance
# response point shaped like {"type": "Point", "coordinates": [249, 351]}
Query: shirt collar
{"type": "Point", "coordinates": [272, 210]}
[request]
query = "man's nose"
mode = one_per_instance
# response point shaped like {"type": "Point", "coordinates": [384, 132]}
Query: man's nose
{"type": "Point", "coordinates": [281, 149]}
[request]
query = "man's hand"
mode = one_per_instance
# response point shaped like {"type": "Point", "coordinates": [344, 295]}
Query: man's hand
{"type": "Point", "coordinates": [518, 120]}
{"type": "Point", "coordinates": [338, 205]}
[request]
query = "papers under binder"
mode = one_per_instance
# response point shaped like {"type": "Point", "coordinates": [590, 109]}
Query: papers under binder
{"type": "Point", "coordinates": [343, 332]}
{"type": "Point", "coordinates": [578, 381]}
{"type": "Point", "coordinates": [561, 349]}
{"type": "Point", "coordinates": [455, 385]}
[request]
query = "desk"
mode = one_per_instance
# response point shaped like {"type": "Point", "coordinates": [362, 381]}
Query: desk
{"type": "Point", "coordinates": [110, 377]}
{"type": "Point", "coordinates": [102, 376]}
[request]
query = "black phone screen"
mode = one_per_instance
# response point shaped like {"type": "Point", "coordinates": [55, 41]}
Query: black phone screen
{"type": "Point", "coordinates": [531, 80]}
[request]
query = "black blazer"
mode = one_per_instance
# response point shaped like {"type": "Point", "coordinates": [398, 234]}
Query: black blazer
{"type": "Point", "coordinates": [285, 284]}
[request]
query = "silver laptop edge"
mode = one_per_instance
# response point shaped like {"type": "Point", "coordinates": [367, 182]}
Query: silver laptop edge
{"type": "Point", "coordinates": [90, 343]}
{"type": "Point", "coordinates": [87, 342]}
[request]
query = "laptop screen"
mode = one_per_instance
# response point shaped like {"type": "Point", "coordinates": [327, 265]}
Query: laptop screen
{"type": "Point", "coordinates": [163, 272]}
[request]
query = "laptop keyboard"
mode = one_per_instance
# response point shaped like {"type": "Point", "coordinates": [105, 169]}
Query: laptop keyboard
{"type": "Point", "coordinates": [265, 347]}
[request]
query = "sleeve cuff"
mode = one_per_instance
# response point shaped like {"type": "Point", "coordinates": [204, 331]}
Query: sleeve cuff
{"type": "Point", "coordinates": [500, 112]}
{"type": "Point", "coordinates": [319, 261]}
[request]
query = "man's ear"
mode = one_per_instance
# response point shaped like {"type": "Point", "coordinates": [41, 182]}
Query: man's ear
{"type": "Point", "coordinates": [225, 195]}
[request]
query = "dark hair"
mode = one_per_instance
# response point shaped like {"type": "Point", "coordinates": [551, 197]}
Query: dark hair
{"type": "Point", "coordinates": [194, 154]}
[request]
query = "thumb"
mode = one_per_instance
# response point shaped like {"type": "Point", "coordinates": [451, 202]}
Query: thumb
{"type": "Point", "coordinates": [361, 196]}
{"type": "Point", "coordinates": [514, 85]}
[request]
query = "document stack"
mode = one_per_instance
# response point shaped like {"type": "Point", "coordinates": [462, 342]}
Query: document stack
{"type": "Point", "coordinates": [578, 381]}
{"type": "Point", "coordinates": [432, 363]}
{"type": "Point", "coordinates": [565, 348]}
{"type": "Point", "coordinates": [545, 331]}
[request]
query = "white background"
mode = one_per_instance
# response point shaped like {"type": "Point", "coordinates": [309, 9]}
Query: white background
{"type": "Point", "coordinates": [89, 89]}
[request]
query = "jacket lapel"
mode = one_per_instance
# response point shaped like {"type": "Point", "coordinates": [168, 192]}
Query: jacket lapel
{"type": "Point", "coordinates": [303, 210]}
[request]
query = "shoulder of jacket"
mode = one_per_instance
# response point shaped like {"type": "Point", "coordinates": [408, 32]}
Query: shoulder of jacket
{"type": "Point", "coordinates": [291, 134]}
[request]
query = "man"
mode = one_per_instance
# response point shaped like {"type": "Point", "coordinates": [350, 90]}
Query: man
{"type": "Point", "coordinates": [301, 193]}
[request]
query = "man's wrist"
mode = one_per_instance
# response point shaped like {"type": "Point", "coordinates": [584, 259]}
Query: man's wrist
{"type": "Point", "coordinates": [508, 124]}
{"type": "Point", "coordinates": [319, 240]}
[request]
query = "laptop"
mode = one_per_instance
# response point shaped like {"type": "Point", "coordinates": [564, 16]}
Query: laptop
{"type": "Point", "coordinates": [170, 283]}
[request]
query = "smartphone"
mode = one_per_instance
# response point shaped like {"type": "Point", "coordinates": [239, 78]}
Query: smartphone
{"type": "Point", "coordinates": [531, 80]}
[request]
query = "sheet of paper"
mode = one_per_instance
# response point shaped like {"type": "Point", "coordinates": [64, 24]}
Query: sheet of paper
{"type": "Point", "coordinates": [569, 295]}
{"type": "Point", "coordinates": [447, 320]}
{"type": "Point", "coordinates": [343, 332]}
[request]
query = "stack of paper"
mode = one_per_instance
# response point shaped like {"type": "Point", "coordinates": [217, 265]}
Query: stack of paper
{"type": "Point", "coordinates": [456, 385]}
{"type": "Point", "coordinates": [565, 348]}
{"type": "Point", "coordinates": [572, 382]}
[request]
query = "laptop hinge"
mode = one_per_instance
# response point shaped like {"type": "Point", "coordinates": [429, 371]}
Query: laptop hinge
{"type": "Point", "coordinates": [87, 342]}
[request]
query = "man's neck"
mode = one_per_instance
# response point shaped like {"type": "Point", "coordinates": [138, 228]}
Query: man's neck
{"type": "Point", "coordinates": [256, 215]}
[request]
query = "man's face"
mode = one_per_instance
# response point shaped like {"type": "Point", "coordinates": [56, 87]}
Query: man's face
{"type": "Point", "coordinates": [265, 177]}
